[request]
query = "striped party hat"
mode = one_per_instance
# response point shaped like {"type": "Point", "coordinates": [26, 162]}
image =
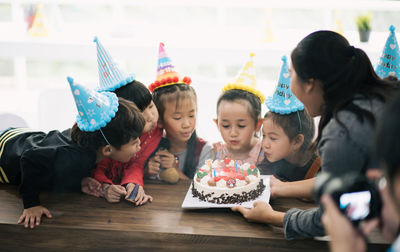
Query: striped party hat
{"type": "Point", "coordinates": [95, 109]}
{"type": "Point", "coordinates": [283, 101]}
{"type": "Point", "coordinates": [166, 74]}
{"type": "Point", "coordinates": [246, 80]}
{"type": "Point", "coordinates": [110, 75]}
{"type": "Point", "coordinates": [389, 63]}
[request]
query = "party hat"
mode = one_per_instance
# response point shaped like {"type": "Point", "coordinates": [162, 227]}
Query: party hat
{"type": "Point", "coordinates": [246, 80]}
{"type": "Point", "coordinates": [389, 63]}
{"type": "Point", "coordinates": [283, 101]}
{"type": "Point", "coordinates": [166, 74]}
{"type": "Point", "coordinates": [95, 109]}
{"type": "Point", "coordinates": [111, 76]}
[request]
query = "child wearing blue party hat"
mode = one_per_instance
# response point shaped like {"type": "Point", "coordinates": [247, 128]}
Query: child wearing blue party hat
{"type": "Point", "coordinates": [61, 161]}
{"type": "Point", "coordinates": [111, 173]}
{"type": "Point", "coordinates": [389, 63]}
{"type": "Point", "coordinates": [287, 134]}
{"type": "Point", "coordinates": [239, 118]}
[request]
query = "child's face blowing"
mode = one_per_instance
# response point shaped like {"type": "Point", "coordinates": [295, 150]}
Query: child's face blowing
{"type": "Point", "coordinates": [276, 144]}
{"type": "Point", "coordinates": [126, 152]}
{"type": "Point", "coordinates": [180, 120]}
{"type": "Point", "coordinates": [236, 126]}
{"type": "Point", "coordinates": [150, 114]}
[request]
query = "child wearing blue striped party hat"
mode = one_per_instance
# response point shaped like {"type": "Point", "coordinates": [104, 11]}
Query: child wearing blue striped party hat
{"type": "Point", "coordinates": [287, 134]}
{"type": "Point", "coordinates": [112, 173]}
{"type": "Point", "coordinates": [389, 63]}
{"type": "Point", "coordinates": [105, 127]}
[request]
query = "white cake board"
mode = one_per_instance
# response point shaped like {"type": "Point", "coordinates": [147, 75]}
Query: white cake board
{"type": "Point", "coordinates": [191, 202]}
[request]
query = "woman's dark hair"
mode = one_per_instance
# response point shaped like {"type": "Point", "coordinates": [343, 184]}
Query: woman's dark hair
{"type": "Point", "coordinates": [238, 94]}
{"type": "Point", "coordinates": [127, 124]}
{"type": "Point", "coordinates": [178, 92]}
{"type": "Point", "coordinates": [388, 139]}
{"type": "Point", "coordinates": [293, 124]}
{"type": "Point", "coordinates": [136, 92]}
{"type": "Point", "coordinates": [344, 72]}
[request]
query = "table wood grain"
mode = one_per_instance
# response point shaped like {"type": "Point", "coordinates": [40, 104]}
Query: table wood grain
{"type": "Point", "coordinates": [81, 223]}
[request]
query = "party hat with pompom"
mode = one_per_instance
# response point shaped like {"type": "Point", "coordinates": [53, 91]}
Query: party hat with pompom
{"type": "Point", "coordinates": [283, 101]}
{"type": "Point", "coordinates": [110, 75]}
{"type": "Point", "coordinates": [95, 109]}
{"type": "Point", "coordinates": [166, 74]}
{"type": "Point", "coordinates": [389, 63]}
{"type": "Point", "coordinates": [246, 80]}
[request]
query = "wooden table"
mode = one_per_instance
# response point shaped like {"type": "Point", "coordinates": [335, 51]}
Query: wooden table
{"type": "Point", "coordinates": [81, 222]}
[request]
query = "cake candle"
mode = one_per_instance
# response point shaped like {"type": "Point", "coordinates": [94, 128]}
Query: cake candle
{"type": "Point", "coordinates": [236, 168]}
{"type": "Point", "coordinates": [214, 174]}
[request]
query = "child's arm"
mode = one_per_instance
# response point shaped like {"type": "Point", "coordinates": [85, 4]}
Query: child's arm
{"type": "Point", "coordinates": [32, 216]}
{"type": "Point", "coordinates": [102, 168]}
{"type": "Point", "coordinates": [113, 193]}
{"type": "Point", "coordinates": [296, 189]}
{"type": "Point", "coordinates": [141, 198]}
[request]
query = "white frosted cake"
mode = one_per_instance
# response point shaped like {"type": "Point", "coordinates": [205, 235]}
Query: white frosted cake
{"type": "Point", "coordinates": [226, 182]}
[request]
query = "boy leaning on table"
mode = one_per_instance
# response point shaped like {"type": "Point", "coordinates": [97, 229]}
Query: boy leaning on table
{"type": "Point", "coordinates": [61, 161]}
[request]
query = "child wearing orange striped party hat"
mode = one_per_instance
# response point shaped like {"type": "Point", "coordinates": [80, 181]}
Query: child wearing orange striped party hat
{"type": "Point", "coordinates": [176, 102]}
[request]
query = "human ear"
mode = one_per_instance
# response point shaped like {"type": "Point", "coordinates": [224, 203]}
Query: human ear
{"type": "Point", "coordinates": [106, 150]}
{"type": "Point", "coordinates": [298, 141]}
{"type": "Point", "coordinates": [309, 85]}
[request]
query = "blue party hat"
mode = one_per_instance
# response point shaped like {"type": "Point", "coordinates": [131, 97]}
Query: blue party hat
{"type": "Point", "coordinates": [95, 109]}
{"type": "Point", "coordinates": [111, 76]}
{"type": "Point", "coordinates": [283, 101]}
{"type": "Point", "coordinates": [389, 63]}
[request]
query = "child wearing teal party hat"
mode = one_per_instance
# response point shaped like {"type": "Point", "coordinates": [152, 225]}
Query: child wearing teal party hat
{"type": "Point", "coordinates": [287, 134]}
{"type": "Point", "coordinates": [111, 173]}
{"type": "Point", "coordinates": [389, 63]}
{"type": "Point", "coordinates": [61, 161]}
{"type": "Point", "coordinates": [239, 118]}
{"type": "Point", "coordinates": [176, 102]}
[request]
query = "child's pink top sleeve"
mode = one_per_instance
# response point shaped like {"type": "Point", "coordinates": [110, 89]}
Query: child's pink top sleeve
{"type": "Point", "coordinates": [134, 171]}
{"type": "Point", "coordinates": [102, 169]}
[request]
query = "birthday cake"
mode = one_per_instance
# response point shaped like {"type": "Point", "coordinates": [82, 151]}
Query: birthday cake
{"type": "Point", "coordinates": [226, 182]}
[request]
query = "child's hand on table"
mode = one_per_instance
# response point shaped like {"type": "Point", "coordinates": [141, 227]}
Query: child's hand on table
{"type": "Point", "coordinates": [113, 193]}
{"type": "Point", "coordinates": [141, 198]}
{"type": "Point", "coordinates": [33, 215]}
{"type": "Point", "coordinates": [92, 187]}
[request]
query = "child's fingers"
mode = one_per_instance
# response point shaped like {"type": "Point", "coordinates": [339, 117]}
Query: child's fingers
{"type": "Point", "coordinates": [47, 213]}
{"type": "Point", "coordinates": [119, 189]}
{"type": "Point", "coordinates": [32, 221]}
{"type": "Point", "coordinates": [21, 218]}
{"type": "Point", "coordinates": [150, 198]}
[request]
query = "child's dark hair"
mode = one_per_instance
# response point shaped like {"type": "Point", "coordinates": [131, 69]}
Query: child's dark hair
{"type": "Point", "coordinates": [178, 92]}
{"type": "Point", "coordinates": [136, 92]}
{"type": "Point", "coordinates": [238, 94]}
{"type": "Point", "coordinates": [388, 139]}
{"type": "Point", "coordinates": [290, 123]}
{"type": "Point", "coordinates": [344, 72]}
{"type": "Point", "coordinates": [127, 124]}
